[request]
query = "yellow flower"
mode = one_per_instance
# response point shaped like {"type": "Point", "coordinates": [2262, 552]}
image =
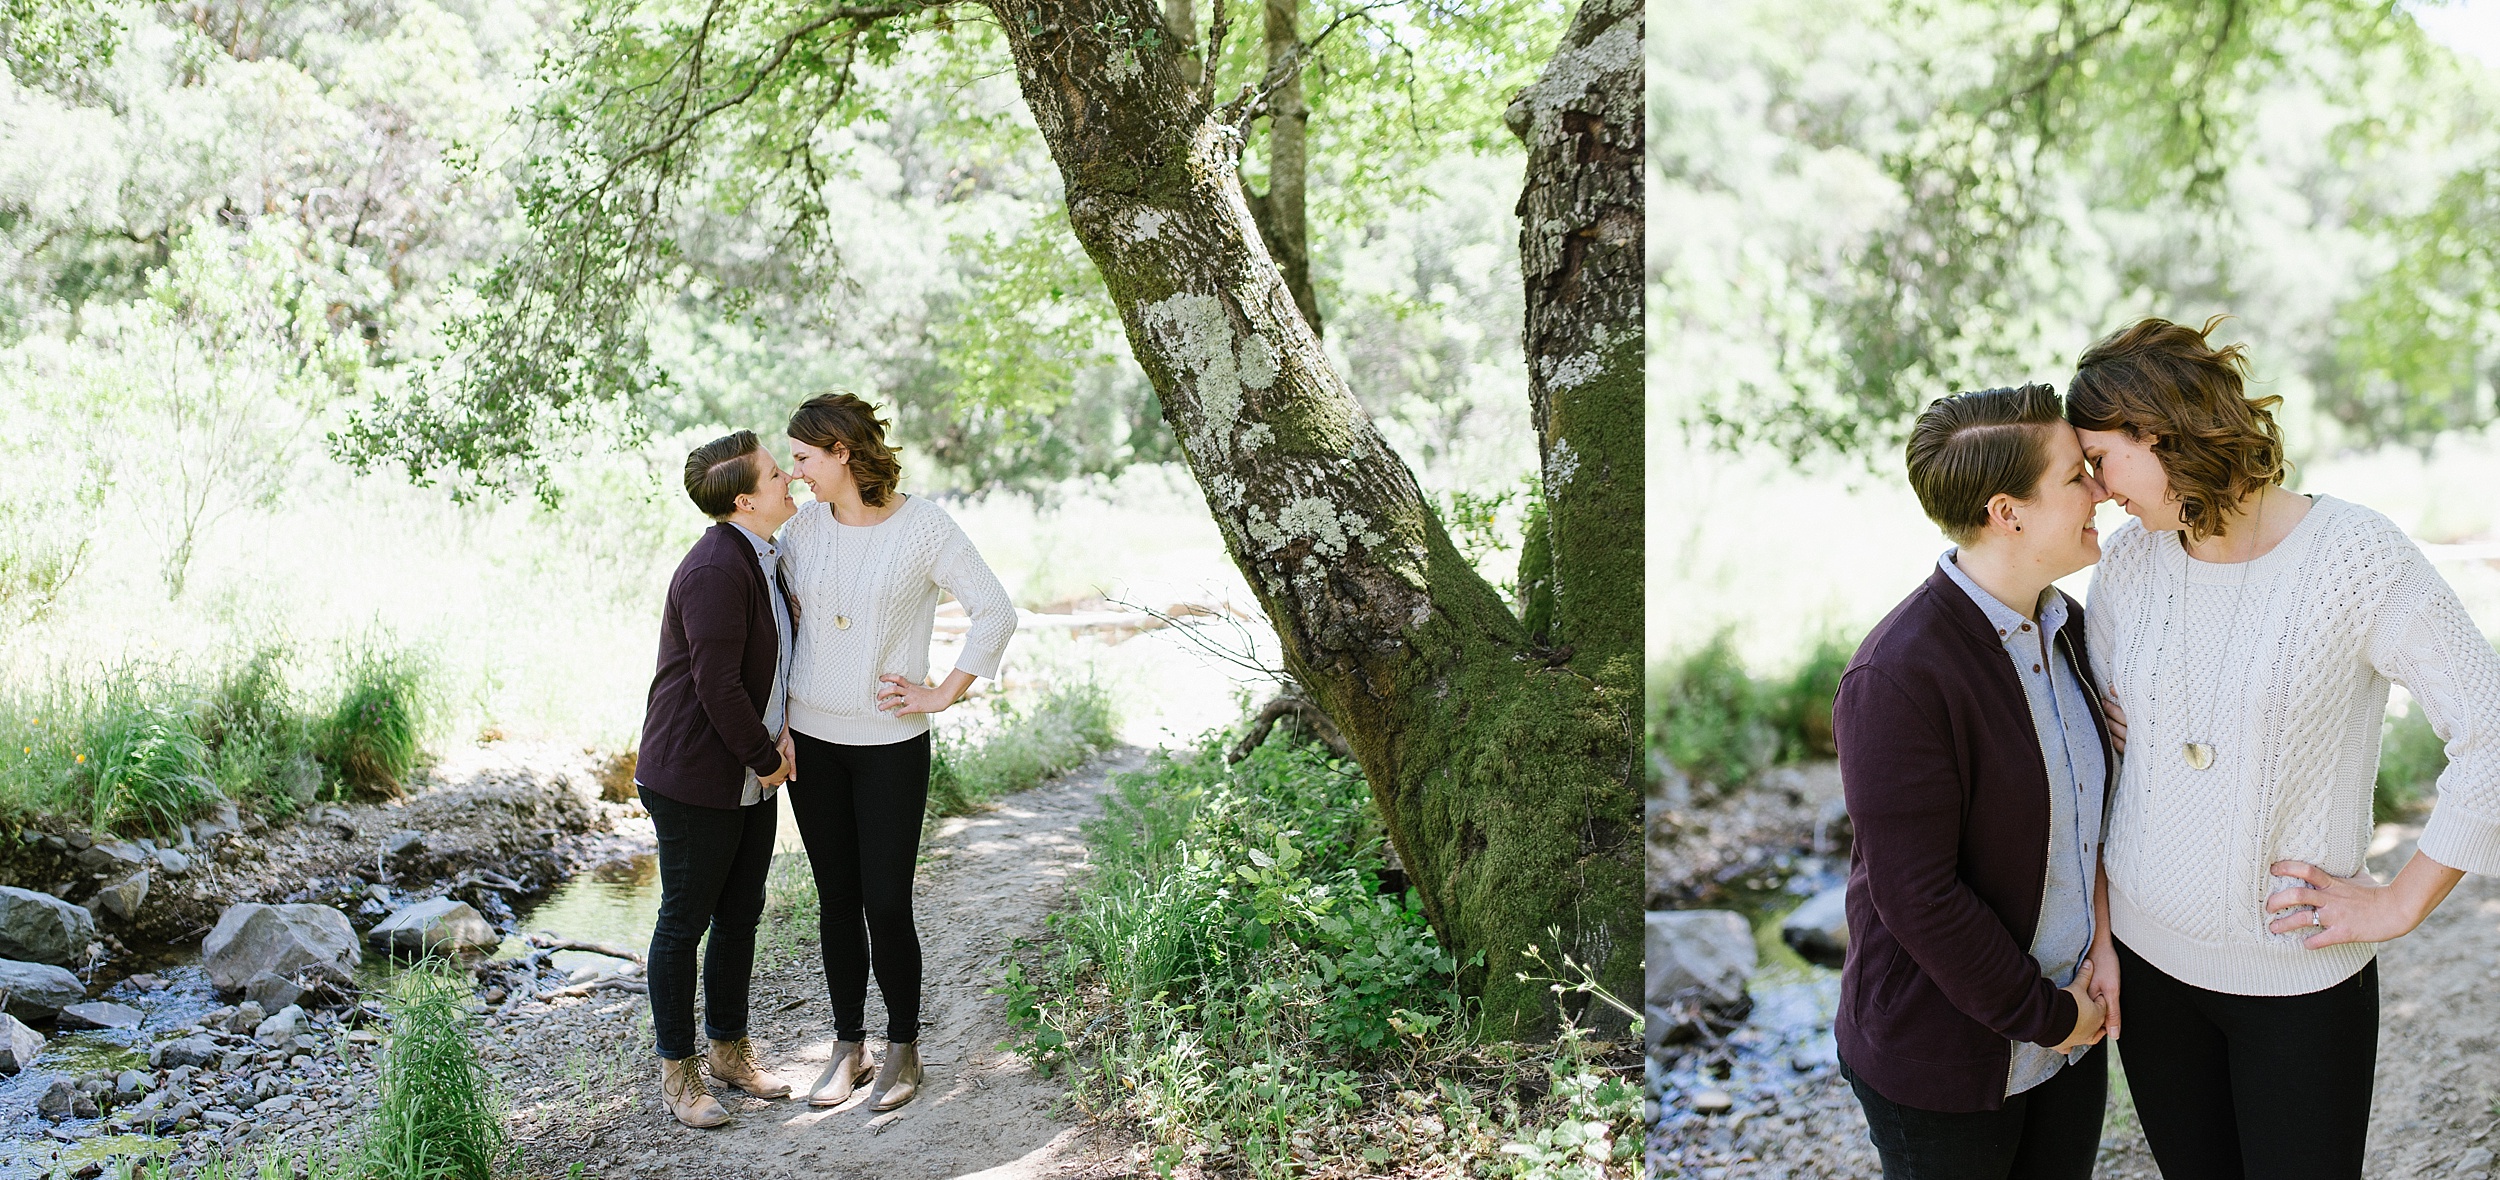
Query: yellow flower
{"type": "Point", "coordinates": [82, 758]}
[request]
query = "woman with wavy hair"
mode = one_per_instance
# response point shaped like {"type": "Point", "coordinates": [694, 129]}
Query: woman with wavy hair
{"type": "Point", "coordinates": [866, 564]}
{"type": "Point", "coordinates": [2251, 635]}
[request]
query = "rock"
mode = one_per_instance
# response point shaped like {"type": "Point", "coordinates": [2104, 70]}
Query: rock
{"type": "Point", "coordinates": [41, 928]}
{"type": "Point", "coordinates": [434, 927]}
{"type": "Point", "coordinates": [1712, 1102]}
{"type": "Point", "coordinates": [174, 863]}
{"type": "Point", "coordinates": [113, 856]}
{"type": "Point", "coordinates": [1819, 929]}
{"type": "Point", "coordinates": [145, 982]}
{"type": "Point", "coordinates": [276, 1104]}
{"type": "Point", "coordinates": [279, 939]}
{"type": "Point", "coordinates": [100, 1014]}
{"type": "Point", "coordinates": [223, 820]}
{"type": "Point", "coordinates": [57, 1101]}
{"type": "Point", "coordinates": [247, 1017]}
{"type": "Point", "coordinates": [131, 1081]}
{"type": "Point", "coordinates": [122, 898]}
{"type": "Point", "coordinates": [1699, 954]}
{"type": "Point", "coordinates": [272, 991]}
{"type": "Point", "coordinates": [19, 1046]}
{"type": "Point", "coordinates": [2472, 1160]}
{"type": "Point", "coordinates": [403, 846]}
{"type": "Point", "coordinates": [189, 1051]}
{"type": "Point", "coordinates": [37, 990]}
{"type": "Point", "coordinates": [279, 1030]}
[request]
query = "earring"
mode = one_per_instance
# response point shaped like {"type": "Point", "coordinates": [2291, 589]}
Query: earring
{"type": "Point", "coordinates": [2018, 528]}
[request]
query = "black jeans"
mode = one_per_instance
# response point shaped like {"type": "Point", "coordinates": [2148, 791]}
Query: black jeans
{"type": "Point", "coordinates": [2231, 1087]}
{"type": "Point", "coordinates": [859, 807]}
{"type": "Point", "coordinates": [712, 866]}
{"type": "Point", "coordinates": [2051, 1131]}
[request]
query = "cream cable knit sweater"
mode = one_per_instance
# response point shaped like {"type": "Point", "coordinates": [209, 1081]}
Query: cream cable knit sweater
{"type": "Point", "coordinates": [885, 578]}
{"type": "Point", "coordinates": [2289, 686]}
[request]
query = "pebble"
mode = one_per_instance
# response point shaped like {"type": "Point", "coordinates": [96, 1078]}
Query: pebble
{"type": "Point", "coordinates": [1712, 1102]}
{"type": "Point", "coordinates": [2473, 1159]}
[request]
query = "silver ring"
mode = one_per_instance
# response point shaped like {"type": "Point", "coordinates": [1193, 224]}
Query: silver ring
{"type": "Point", "coordinates": [2315, 919]}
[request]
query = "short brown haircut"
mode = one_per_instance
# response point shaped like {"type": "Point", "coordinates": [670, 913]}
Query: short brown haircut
{"type": "Point", "coordinates": [720, 471]}
{"type": "Point", "coordinates": [2217, 444]}
{"type": "Point", "coordinates": [828, 420]}
{"type": "Point", "coordinates": [1969, 447]}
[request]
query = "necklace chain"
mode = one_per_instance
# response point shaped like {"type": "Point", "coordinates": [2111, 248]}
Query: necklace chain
{"type": "Point", "coordinates": [2200, 749]}
{"type": "Point", "coordinates": [849, 586]}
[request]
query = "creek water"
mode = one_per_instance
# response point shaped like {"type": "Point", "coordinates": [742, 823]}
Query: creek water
{"type": "Point", "coordinates": [1787, 1036]}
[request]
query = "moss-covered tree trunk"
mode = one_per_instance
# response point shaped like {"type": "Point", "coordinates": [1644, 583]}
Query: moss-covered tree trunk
{"type": "Point", "coordinates": [1505, 768]}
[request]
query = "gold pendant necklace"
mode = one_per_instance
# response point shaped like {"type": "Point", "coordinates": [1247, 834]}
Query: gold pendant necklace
{"type": "Point", "coordinates": [2200, 755]}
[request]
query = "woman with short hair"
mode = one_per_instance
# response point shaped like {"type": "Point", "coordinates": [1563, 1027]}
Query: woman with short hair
{"type": "Point", "coordinates": [1976, 763]}
{"type": "Point", "coordinates": [2251, 635]}
{"type": "Point", "coordinates": [866, 564]}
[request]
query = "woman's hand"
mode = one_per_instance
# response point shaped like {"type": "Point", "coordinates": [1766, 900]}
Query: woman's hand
{"type": "Point", "coordinates": [2103, 967]}
{"type": "Point", "coordinates": [2358, 908]}
{"type": "Point", "coordinates": [902, 698]}
{"type": "Point", "coordinates": [2117, 718]}
{"type": "Point", "coordinates": [2089, 1016]}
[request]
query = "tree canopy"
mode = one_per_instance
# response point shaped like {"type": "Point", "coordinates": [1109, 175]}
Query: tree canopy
{"type": "Point", "coordinates": [1992, 186]}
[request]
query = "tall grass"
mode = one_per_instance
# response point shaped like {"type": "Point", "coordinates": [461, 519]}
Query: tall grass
{"type": "Point", "coordinates": [437, 1116]}
{"type": "Point", "coordinates": [139, 748]}
{"type": "Point", "coordinates": [1020, 748]}
{"type": "Point", "coordinates": [371, 739]}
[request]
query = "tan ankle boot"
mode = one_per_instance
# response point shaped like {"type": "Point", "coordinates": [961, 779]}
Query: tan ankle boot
{"type": "Point", "coordinates": [842, 1075]}
{"type": "Point", "coordinates": [734, 1062]}
{"type": "Point", "coordinates": [682, 1089]}
{"type": "Point", "coordinates": [898, 1077]}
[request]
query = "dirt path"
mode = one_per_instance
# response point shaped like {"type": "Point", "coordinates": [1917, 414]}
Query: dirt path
{"type": "Point", "coordinates": [585, 1081]}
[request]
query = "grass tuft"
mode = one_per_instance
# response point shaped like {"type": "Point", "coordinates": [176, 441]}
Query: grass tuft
{"type": "Point", "coordinates": [437, 1116]}
{"type": "Point", "coordinates": [1020, 748]}
{"type": "Point", "coordinates": [372, 738]}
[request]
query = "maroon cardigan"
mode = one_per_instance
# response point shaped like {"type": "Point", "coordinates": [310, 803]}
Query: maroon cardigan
{"type": "Point", "coordinates": [1948, 795]}
{"type": "Point", "coordinates": [703, 725]}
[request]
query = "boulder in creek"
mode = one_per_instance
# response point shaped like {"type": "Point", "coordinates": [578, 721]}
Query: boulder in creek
{"type": "Point", "coordinates": [271, 991]}
{"type": "Point", "coordinates": [279, 939]}
{"type": "Point", "coordinates": [100, 1014]}
{"type": "Point", "coordinates": [436, 926]}
{"type": "Point", "coordinates": [1698, 962]}
{"type": "Point", "coordinates": [1819, 929]}
{"type": "Point", "coordinates": [279, 1030]}
{"type": "Point", "coordinates": [198, 1050]}
{"type": "Point", "coordinates": [122, 898]}
{"type": "Point", "coordinates": [19, 1046]}
{"type": "Point", "coordinates": [41, 928]}
{"type": "Point", "coordinates": [37, 990]}
{"type": "Point", "coordinates": [1699, 954]}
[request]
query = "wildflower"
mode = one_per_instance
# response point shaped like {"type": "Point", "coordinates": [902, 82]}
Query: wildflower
{"type": "Point", "coordinates": [82, 759]}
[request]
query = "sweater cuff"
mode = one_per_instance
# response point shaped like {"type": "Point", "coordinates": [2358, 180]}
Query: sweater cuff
{"type": "Point", "coordinates": [2461, 839]}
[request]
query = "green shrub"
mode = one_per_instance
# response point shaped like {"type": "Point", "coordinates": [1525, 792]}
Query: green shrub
{"type": "Point", "coordinates": [2410, 758]}
{"type": "Point", "coordinates": [436, 1115]}
{"type": "Point", "coordinates": [370, 740]}
{"type": "Point", "coordinates": [1800, 706]}
{"type": "Point", "coordinates": [1227, 972]}
{"type": "Point", "coordinates": [1719, 726]}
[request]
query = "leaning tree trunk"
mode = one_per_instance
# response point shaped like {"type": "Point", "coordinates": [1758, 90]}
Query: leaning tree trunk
{"type": "Point", "coordinates": [1505, 770]}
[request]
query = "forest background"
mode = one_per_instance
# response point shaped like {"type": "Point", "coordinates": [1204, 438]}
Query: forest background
{"type": "Point", "coordinates": [252, 222]}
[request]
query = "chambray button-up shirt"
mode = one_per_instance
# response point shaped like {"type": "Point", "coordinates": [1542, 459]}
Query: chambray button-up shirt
{"type": "Point", "coordinates": [2061, 716]}
{"type": "Point", "coordinates": [776, 705]}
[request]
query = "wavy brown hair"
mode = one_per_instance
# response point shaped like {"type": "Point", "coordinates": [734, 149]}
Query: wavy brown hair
{"type": "Point", "coordinates": [828, 420]}
{"type": "Point", "coordinates": [2217, 444]}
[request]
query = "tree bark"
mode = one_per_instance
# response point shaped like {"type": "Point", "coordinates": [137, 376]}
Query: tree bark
{"type": "Point", "coordinates": [1505, 775]}
{"type": "Point", "coordinates": [1580, 255]}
